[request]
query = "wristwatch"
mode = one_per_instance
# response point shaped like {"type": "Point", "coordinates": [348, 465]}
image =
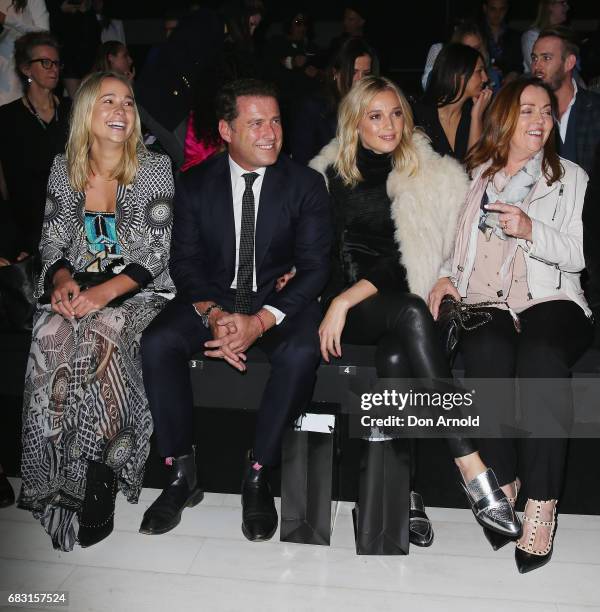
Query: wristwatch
{"type": "Point", "coordinates": [204, 315]}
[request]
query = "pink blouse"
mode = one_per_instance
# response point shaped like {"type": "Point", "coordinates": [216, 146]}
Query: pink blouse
{"type": "Point", "coordinates": [196, 151]}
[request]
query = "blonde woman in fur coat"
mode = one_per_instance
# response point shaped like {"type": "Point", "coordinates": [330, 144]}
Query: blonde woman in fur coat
{"type": "Point", "coordinates": [395, 203]}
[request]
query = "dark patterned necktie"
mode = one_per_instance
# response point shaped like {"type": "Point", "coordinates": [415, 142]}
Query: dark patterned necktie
{"type": "Point", "coordinates": [243, 294]}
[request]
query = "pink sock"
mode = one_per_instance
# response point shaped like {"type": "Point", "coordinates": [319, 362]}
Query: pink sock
{"type": "Point", "coordinates": [256, 466]}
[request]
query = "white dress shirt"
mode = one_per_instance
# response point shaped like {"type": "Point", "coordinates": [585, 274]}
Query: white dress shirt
{"type": "Point", "coordinates": [238, 186]}
{"type": "Point", "coordinates": [564, 120]}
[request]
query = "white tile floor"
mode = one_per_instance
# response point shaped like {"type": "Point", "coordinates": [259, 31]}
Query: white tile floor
{"type": "Point", "coordinates": [207, 565]}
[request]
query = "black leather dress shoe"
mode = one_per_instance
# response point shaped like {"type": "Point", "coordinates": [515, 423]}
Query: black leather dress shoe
{"type": "Point", "coordinates": [7, 495]}
{"type": "Point", "coordinates": [96, 519]}
{"type": "Point", "coordinates": [259, 516]}
{"type": "Point", "coordinates": [183, 492]}
{"type": "Point", "coordinates": [420, 530]}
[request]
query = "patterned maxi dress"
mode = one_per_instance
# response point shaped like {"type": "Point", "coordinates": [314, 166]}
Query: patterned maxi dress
{"type": "Point", "coordinates": [84, 396]}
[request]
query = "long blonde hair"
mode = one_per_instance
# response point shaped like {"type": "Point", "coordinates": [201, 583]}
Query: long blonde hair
{"type": "Point", "coordinates": [352, 109]}
{"type": "Point", "coordinates": [80, 135]}
{"type": "Point", "coordinates": [542, 19]}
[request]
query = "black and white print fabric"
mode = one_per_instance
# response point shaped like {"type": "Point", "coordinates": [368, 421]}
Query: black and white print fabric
{"type": "Point", "coordinates": [84, 396]}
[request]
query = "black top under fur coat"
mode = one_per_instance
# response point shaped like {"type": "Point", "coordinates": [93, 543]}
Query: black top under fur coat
{"type": "Point", "coordinates": [365, 247]}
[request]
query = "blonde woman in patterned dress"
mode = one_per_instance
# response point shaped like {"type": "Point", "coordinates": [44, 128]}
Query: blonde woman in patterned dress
{"type": "Point", "coordinates": [86, 424]}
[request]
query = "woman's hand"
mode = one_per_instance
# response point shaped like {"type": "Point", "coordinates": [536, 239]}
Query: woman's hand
{"type": "Point", "coordinates": [480, 103]}
{"type": "Point", "coordinates": [65, 289]}
{"type": "Point", "coordinates": [91, 300]}
{"type": "Point", "coordinates": [443, 287]}
{"type": "Point", "coordinates": [4, 262]}
{"type": "Point", "coordinates": [331, 328]}
{"type": "Point", "coordinates": [513, 221]}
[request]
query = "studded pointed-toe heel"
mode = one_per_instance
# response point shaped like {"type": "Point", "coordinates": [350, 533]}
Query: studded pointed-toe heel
{"type": "Point", "coordinates": [528, 557]}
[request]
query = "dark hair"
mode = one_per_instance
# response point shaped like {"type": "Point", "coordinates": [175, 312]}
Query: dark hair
{"type": "Point", "coordinates": [464, 28]}
{"type": "Point", "coordinates": [343, 65]}
{"type": "Point", "coordinates": [451, 71]}
{"type": "Point", "coordinates": [236, 14]}
{"type": "Point", "coordinates": [24, 47]}
{"type": "Point", "coordinates": [567, 38]}
{"type": "Point", "coordinates": [226, 105]}
{"type": "Point", "coordinates": [290, 14]}
{"type": "Point", "coordinates": [499, 124]}
{"type": "Point", "coordinates": [110, 47]}
{"type": "Point", "coordinates": [359, 7]}
{"type": "Point", "coordinates": [19, 5]}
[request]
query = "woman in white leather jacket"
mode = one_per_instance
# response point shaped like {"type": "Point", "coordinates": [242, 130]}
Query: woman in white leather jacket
{"type": "Point", "coordinates": [520, 245]}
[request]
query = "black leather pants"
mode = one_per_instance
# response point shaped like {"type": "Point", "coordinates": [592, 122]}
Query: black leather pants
{"type": "Point", "coordinates": [403, 329]}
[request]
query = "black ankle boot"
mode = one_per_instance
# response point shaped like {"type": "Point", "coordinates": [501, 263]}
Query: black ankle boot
{"type": "Point", "coordinates": [259, 516]}
{"type": "Point", "coordinates": [7, 495]}
{"type": "Point", "coordinates": [96, 519]}
{"type": "Point", "coordinates": [182, 492]}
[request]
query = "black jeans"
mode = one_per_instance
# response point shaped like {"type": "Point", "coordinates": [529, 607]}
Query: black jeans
{"type": "Point", "coordinates": [403, 329]}
{"type": "Point", "coordinates": [177, 333]}
{"type": "Point", "coordinates": [554, 335]}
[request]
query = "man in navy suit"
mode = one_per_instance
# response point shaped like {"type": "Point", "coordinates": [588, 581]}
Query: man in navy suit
{"type": "Point", "coordinates": [242, 220]}
{"type": "Point", "coordinates": [553, 59]}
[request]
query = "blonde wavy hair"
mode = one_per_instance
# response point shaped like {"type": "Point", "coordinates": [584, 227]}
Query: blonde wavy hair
{"type": "Point", "coordinates": [353, 109]}
{"type": "Point", "coordinates": [81, 139]}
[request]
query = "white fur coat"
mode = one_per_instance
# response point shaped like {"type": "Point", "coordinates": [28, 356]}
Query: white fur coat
{"type": "Point", "coordinates": [425, 210]}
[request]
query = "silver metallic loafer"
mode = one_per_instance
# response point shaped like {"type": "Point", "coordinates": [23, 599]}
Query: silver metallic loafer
{"type": "Point", "coordinates": [491, 506]}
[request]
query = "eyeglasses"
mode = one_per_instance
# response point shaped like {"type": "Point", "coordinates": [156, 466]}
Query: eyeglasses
{"type": "Point", "coordinates": [46, 63]}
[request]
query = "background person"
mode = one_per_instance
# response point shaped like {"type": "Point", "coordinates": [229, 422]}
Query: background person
{"type": "Point", "coordinates": [554, 57]}
{"type": "Point", "coordinates": [17, 17]}
{"type": "Point", "coordinates": [452, 108]}
{"type": "Point", "coordinates": [113, 55]}
{"type": "Point", "coordinates": [467, 33]}
{"type": "Point", "coordinates": [315, 116]}
{"type": "Point", "coordinates": [550, 13]}
{"type": "Point", "coordinates": [78, 31]}
{"type": "Point", "coordinates": [502, 42]}
{"type": "Point", "coordinates": [34, 130]}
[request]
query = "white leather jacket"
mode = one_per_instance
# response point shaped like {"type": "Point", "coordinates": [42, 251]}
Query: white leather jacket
{"type": "Point", "coordinates": [554, 258]}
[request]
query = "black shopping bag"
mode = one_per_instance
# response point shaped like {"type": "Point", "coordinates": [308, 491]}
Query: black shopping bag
{"type": "Point", "coordinates": [308, 485]}
{"type": "Point", "coordinates": [381, 512]}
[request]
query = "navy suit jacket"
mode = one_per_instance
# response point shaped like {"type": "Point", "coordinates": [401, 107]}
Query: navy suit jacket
{"type": "Point", "coordinates": [587, 126]}
{"type": "Point", "coordinates": [293, 228]}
